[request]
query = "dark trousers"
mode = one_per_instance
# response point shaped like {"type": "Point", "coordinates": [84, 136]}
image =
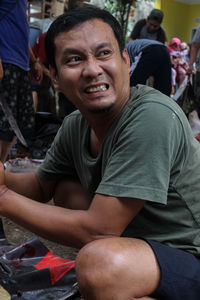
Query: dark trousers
{"type": "Point", "coordinates": [155, 61]}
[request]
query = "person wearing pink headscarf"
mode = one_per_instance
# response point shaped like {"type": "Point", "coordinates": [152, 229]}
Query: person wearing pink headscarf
{"type": "Point", "coordinates": [174, 44]}
{"type": "Point", "coordinates": [173, 48]}
{"type": "Point", "coordinates": [178, 66]}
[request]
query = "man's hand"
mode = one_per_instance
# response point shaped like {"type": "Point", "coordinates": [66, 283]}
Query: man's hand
{"type": "Point", "coordinates": [3, 187]}
{"type": "Point", "coordinates": [36, 72]}
{"type": "Point", "coordinates": [1, 71]}
{"type": "Point", "coordinates": [191, 70]}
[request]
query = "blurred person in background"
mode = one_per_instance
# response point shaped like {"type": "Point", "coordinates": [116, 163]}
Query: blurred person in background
{"type": "Point", "coordinates": [150, 28]}
{"type": "Point", "coordinates": [194, 66]}
{"type": "Point", "coordinates": [16, 60]}
{"type": "Point", "coordinates": [43, 92]}
{"type": "Point", "coordinates": [179, 52]}
{"type": "Point", "coordinates": [150, 60]}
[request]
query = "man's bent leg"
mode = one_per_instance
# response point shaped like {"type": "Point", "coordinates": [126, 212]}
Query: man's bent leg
{"type": "Point", "coordinates": [117, 268]}
{"type": "Point", "coordinates": [70, 194]}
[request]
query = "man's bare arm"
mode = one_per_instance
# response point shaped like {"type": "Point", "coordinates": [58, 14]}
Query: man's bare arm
{"type": "Point", "coordinates": [1, 70]}
{"type": "Point", "coordinates": [106, 217]}
{"type": "Point", "coordinates": [193, 55]}
{"type": "Point", "coordinates": [30, 185]}
{"type": "Point", "coordinates": [73, 228]}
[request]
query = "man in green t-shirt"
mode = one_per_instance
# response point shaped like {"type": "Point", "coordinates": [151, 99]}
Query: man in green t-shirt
{"type": "Point", "coordinates": [123, 171]}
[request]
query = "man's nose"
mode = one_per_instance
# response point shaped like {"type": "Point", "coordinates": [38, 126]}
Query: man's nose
{"type": "Point", "coordinates": [92, 68]}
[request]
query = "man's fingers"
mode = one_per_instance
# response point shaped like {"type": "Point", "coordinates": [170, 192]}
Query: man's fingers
{"type": "Point", "coordinates": [1, 173]}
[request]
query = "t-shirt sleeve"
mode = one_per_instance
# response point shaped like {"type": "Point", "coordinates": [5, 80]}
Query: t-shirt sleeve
{"type": "Point", "coordinates": [58, 163]}
{"type": "Point", "coordinates": [143, 155]}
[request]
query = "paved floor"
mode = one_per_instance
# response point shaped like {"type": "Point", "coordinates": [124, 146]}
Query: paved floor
{"type": "Point", "coordinates": [16, 235]}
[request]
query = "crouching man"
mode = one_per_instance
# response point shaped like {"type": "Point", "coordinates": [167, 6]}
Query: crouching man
{"type": "Point", "coordinates": [123, 171]}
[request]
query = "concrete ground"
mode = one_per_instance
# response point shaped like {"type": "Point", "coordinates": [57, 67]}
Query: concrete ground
{"type": "Point", "coordinates": [16, 235]}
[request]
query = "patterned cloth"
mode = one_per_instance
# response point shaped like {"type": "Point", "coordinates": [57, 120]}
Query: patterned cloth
{"type": "Point", "coordinates": [19, 100]}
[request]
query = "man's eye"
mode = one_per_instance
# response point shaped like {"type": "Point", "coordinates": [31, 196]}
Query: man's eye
{"type": "Point", "coordinates": [104, 52]}
{"type": "Point", "coordinates": [73, 59]}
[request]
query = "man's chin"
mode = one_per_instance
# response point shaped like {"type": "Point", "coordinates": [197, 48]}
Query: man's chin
{"type": "Point", "coordinates": [101, 110]}
{"type": "Point", "coordinates": [152, 32]}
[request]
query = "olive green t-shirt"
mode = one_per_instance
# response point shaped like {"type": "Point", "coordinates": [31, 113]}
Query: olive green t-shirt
{"type": "Point", "coordinates": [149, 153]}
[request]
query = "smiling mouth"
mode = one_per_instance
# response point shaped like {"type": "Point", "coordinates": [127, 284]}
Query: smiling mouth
{"type": "Point", "coordinates": [99, 88]}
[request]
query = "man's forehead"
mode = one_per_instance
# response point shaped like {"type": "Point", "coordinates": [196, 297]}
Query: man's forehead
{"type": "Point", "coordinates": [89, 25]}
{"type": "Point", "coordinates": [94, 31]}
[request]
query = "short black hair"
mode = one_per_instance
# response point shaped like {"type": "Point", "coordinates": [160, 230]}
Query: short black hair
{"type": "Point", "coordinates": [156, 15]}
{"type": "Point", "coordinates": [72, 18]}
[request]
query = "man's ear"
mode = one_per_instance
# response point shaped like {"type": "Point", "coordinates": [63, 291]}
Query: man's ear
{"type": "Point", "coordinates": [126, 58]}
{"type": "Point", "coordinates": [54, 77]}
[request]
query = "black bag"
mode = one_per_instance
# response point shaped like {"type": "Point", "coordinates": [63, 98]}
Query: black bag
{"type": "Point", "coordinates": [30, 271]}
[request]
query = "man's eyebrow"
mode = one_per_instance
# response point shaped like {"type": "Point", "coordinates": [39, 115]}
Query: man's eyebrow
{"type": "Point", "coordinates": [104, 44]}
{"type": "Point", "coordinates": [77, 51]}
{"type": "Point", "coordinates": [71, 51]}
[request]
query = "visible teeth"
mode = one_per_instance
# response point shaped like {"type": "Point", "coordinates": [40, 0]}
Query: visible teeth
{"type": "Point", "coordinates": [97, 88]}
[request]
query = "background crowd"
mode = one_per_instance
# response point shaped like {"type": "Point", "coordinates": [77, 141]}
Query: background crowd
{"type": "Point", "coordinates": [155, 61]}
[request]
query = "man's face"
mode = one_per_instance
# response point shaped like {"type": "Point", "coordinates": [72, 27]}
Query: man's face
{"type": "Point", "coordinates": [152, 26]}
{"type": "Point", "coordinates": [90, 69]}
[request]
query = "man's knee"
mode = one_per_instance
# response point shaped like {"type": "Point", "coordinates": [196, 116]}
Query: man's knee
{"type": "Point", "coordinates": [93, 267]}
{"type": "Point", "coordinates": [92, 256]}
{"type": "Point", "coordinates": [114, 263]}
{"type": "Point", "coordinates": [109, 254]}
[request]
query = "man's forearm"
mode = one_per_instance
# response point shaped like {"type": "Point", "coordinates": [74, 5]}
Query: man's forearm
{"type": "Point", "coordinates": [193, 54]}
{"type": "Point", "coordinates": [33, 59]}
{"type": "Point", "coordinates": [26, 184]}
{"type": "Point", "coordinates": [51, 222]}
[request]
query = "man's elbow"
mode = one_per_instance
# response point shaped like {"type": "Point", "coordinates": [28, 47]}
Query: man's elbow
{"type": "Point", "coordinates": [102, 234]}
{"type": "Point", "coordinates": [196, 46]}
